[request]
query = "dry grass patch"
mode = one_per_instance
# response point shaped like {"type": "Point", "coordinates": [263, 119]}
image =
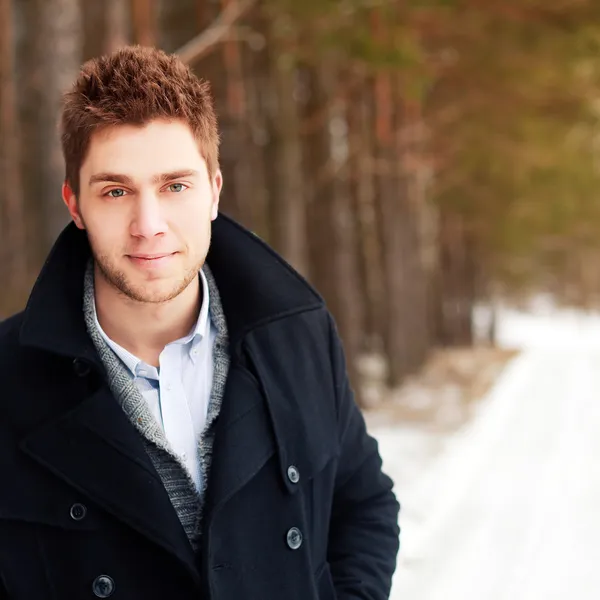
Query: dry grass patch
{"type": "Point", "coordinates": [442, 395]}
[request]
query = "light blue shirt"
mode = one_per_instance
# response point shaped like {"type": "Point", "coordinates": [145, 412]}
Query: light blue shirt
{"type": "Point", "coordinates": [178, 391]}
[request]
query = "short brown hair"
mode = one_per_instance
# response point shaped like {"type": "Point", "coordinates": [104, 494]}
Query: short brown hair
{"type": "Point", "coordinates": [134, 86]}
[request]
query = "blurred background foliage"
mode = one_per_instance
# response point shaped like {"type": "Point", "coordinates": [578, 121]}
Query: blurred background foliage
{"type": "Point", "coordinates": [413, 159]}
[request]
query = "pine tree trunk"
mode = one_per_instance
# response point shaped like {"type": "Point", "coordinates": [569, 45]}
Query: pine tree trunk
{"type": "Point", "coordinates": [223, 69]}
{"type": "Point", "coordinates": [117, 24]}
{"type": "Point", "coordinates": [13, 250]}
{"type": "Point", "coordinates": [144, 22]}
{"type": "Point", "coordinates": [393, 228]}
{"type": "Point", "coordinates": [256, 73]}
{"type": "Point", "coordinates": [457, 281]}
{"type": "Point", "coordinates": [413, 197]}
{"type": "Point", "coordinates": [287, 206]}
{"type": "Point", "coordinates": [51, 55]}
{"type": "Point", "coordinates": [368, 247]}
{"type": "Point", "coordinates": [332, 227]}
{"type": "Point", "coordinates": [236, 134]}
{"type": "Point", "coordinates": [106, 26]}
{"type": "Point", "coordinates": [94, 29]}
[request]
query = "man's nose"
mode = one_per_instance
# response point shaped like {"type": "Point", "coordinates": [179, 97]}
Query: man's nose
{"type": "Point", "coordinates": [148, 220]}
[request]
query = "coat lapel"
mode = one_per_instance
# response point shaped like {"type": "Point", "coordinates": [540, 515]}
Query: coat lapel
{"type": "Point", "coordinates": [243, 438]}
{"type": "Point", "coordinates": [95, 449]}
{"type": "Point", "coordinates": [300, 420]}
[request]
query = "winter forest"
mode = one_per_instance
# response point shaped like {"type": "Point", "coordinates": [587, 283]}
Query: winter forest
{"type": "Point", "coordinates": [413, 159]}
{"type": "Point", "coordinates": [432, 167]}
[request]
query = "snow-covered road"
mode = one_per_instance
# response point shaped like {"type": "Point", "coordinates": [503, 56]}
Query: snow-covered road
{"type": "Point", "coordinates": [510, 509]}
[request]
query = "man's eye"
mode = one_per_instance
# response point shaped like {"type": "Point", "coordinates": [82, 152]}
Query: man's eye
{"type": "Point", "coordinates": [117, 193]}
{"type": "Point", "coordinates": [177, 187]}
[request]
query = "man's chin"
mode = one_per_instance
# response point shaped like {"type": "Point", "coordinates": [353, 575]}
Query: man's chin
{"type": "Point", "coordinates": [154, 290]}
{"type": "Point", "coordinates": [151, 294]}
{"type": "Point", "coordinates": [147, 286]}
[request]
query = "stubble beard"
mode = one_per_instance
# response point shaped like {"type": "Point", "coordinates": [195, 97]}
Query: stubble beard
{"type": "Point", "coordinates": [118, 280]}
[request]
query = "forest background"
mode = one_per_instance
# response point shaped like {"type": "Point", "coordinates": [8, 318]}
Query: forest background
{"type": "Point", "coordinates": [415, 160]}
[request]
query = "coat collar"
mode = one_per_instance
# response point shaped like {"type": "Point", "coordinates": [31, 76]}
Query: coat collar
{"type": "Point", "coordinates": [255, 284]}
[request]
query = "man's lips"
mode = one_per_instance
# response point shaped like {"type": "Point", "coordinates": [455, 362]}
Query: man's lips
{"type": "Point", "coordinates": [151, 260]}
{"type": "Point", "coordinates": [150, 256]}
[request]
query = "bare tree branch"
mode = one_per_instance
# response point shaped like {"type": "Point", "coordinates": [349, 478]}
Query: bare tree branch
{"type": "Point", "coordinates": [206, 41]}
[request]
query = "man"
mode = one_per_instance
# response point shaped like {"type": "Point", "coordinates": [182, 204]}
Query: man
{"type": "Point", "coordinates": [176, 419]}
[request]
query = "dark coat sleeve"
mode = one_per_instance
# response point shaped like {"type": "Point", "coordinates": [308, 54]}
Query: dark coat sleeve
{"type": "Point", "coordinates": [364, 532]}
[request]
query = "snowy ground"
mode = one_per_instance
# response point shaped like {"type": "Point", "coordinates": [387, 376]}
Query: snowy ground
{"type": "Point", "coordinates": [508, 507]}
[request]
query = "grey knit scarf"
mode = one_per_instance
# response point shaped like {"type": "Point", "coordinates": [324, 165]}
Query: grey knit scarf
{"type": "Point", "coordinates": [178, 483]}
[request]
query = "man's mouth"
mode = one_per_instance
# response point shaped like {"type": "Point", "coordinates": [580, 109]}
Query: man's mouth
{"type": "Point", "coordinates": [151, 260]}
{"type": "Point", "coordinates": [151, 256]}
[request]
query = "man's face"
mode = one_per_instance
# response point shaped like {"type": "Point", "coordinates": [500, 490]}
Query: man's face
{"type": "Point", "coordinates": [146, 202]}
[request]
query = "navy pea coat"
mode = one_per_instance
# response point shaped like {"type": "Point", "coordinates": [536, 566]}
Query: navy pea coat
{"type": "Point", "coordinates": [297, 506]}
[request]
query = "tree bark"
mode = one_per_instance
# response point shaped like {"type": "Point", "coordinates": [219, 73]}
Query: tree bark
{"type": "Point", "coordinates": [332, 227]}
{"type": "Point", "coordinates": [256, 74]}
{"type": "Point", "coordinates": [391, 206]}
{"type": "Point", "coordinates": [284, 154]}
{"type": "Point", "coordinates": [224, 71]}
{"type": "Point", "coordinates": [236, 135]}
{"type": "Point", "coordinates": [94, 29]}
{"type": "Point", "coordinates": [13, 257]}
{"type": "Point", "coordinates": [51, 55]}
{"type": "Point", "coordinates": [401, 211]}
{"type": "Point", "coordinates": [368, 247]}
{"type": "Point", "coordinates": [144, 22]}
{"type": "Point", "coordinates": [409, 144]}
{"type": "Point", "coordinates": [117, 24]}
{"type": "Point", "coordinates": [457, 281]}
{"type": "Point", "coordinates": [106, 27]}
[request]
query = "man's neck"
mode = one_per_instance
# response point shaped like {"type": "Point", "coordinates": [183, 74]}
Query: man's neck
{"type": "Point", "coordinates": [144, 329]}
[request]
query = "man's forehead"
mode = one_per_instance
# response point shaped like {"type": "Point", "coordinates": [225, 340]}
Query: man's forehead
{"type": "Point", "coordinates": [160, 138]}
{"type": "Point", "coordinates": [156, 125]}
{"type": "Point", "coordinates": [143, 153]}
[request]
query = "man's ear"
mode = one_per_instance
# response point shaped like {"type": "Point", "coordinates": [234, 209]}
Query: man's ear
{"type": "Point", "coordinates": [70, 200]}
{"type": "Point", "coordinates": [217, 186]}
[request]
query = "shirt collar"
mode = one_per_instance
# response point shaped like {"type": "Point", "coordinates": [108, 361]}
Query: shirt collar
{"type": "Point", "coordinates": [195, 336]}
{"type": "Point", "coordinates": [199, 330]}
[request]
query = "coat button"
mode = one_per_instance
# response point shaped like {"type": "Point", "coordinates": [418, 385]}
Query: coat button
{"type": "Point", "coordinates": [293, 474]}
{"type": "Point", "coordinates": [78, 512]}
{"type": "Point", "coordinates": [103, 586]}
{"type": "Point", "coordinates": [294, 538]}
{"type": "Point", "coordinates": [81, 367]}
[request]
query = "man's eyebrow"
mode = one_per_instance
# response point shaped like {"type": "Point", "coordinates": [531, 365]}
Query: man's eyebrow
{"type": "Point", "coordinates": [180, 174]}
{"type": "Point", "coordinates": [110, 177]}
{"type": "Point", "coordinates": [126, 180]}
